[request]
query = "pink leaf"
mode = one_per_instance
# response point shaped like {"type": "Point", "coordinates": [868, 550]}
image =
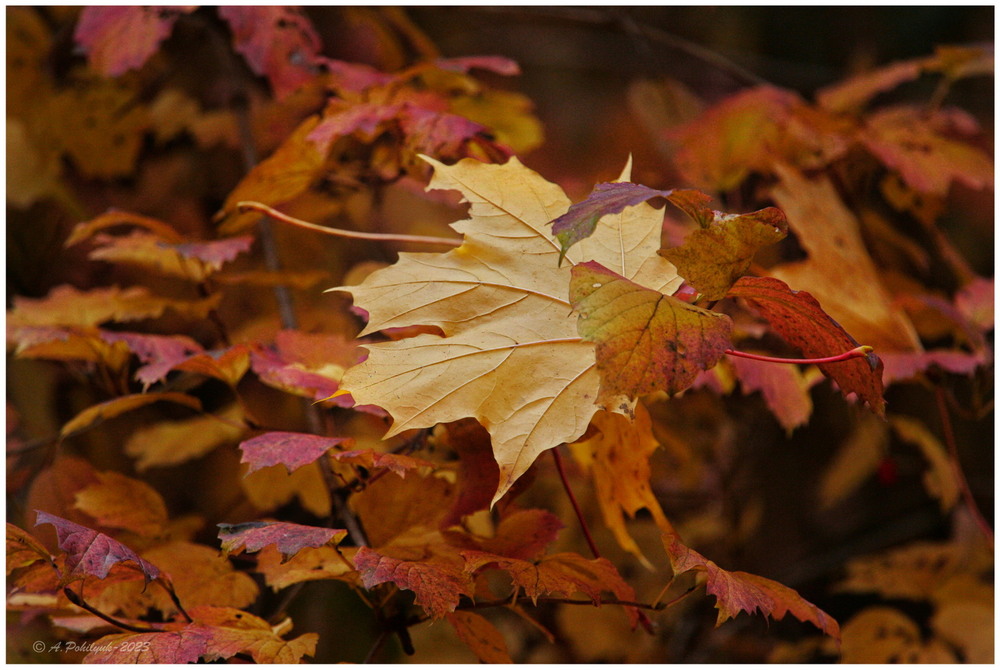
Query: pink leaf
{"type": "Point", "coordinates": [119, 39]}
{"type": "Point", "coordinates": [289, 538]}
{"type": "Point", "coordinates": [293, 450]}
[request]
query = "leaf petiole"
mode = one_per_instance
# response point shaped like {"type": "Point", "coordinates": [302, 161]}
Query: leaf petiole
{"type": "Point", "coordinates": [857, 352]}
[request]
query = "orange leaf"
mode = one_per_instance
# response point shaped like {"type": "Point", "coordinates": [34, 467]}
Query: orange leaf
{"type": "Point", "coordinates": [737, 592]}
{"type": "Point", "coordinates": [482, 637]}
{"type": "Point", "coordinates": [23, 549]}
{"type": "Point", "coordinates": [101, 412]}
{"type": "Point", "coordinates": [118, 501]}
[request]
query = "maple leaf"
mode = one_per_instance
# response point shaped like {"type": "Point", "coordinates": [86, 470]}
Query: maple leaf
{"type": "Point", "coordinates": [118, 501]}
{"type": "Point", "coordinates": [277, 42]}
{"type": "Point", "coordinates": [618, 459]}
{"type": "Point", "coordinates": [293, 450]}
{"type": "Point", "coordinates": [477, 475]}
{"type": "Point", "coordinates": [166, 646]}
{"type": "Point", "coordinates": [309, 364]}
{"type": "Point", "coordinates": [799, 319]}
{"type": "Point", "coordinates": [232, 631]}
{"type": "Point", "coordinates": [737, 592]}
{"type": "Point", "coordinates": [480, 635]}
{"type": "Point", "coordinates": [89, 552]}
{"type": "Point", "coordinates": [499, 300]}
{"type": "Point", "coordinates": [713, 257]}
{"type": "Point", "coordinates": [784, 387]}
{"type": "Point", "coordinates": [438, 586]}
{"type": "Point", "coordinates": [289, 538]}
{"type": "Point", "coordinates": [522, 533]}
{"type": "Point", "coordinates": [309, 564]}
{"type": "Point", "coordinates": [200, 575]}
{"type": "Point", "coordinates": [119, 39]}
{"type": "Point", "coordinates": [192, 261]}
{"type": "Point", "coordinates": [646, 341]}
{"type": "Point", "coordinates": [159, 353]}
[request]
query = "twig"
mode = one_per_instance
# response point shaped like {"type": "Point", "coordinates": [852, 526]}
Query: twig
{"type": "Point", "coordinates": [484, 604]}
{"type": "Point", "coordinates": [169, 588]}
{"type": "Point", "coordinates": [352, 234]}
{"type": "Point", "coordinates": [380, 641]}
{"type": "Point", "coordinates": [956, 467]}
{"type": "Point", "coordinates": [572, 499]}
{"type": "Point", "coordinates": [78, 600]}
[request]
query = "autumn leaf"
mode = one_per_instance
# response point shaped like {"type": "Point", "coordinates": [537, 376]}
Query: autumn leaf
{"type": "Point", "coordinates": [309, 564]}
{"type": "Point", "coordinates": [159, 353]}
{"type": "Point", "coordinates": [200, 575]}
{"type": "Point", "coordinates": [277, 42]}
{"type": "Point", "coordinates": [289, 538]}
{"type": "Point", "coordinates": [713, 257]}
{"type": "Point", "coordinates": [172, 442]}
{"type": "Point", "coordinates": [523, 534]}
{"type": "Point", "coordinates": [308, 364]}
{"type": "Point", "coordinates": [23, 549]}
{"type": "Point", "coordinates": [939, 478]}
{"type": "Point", "coordinates": [617, 457]}
{"type": "Point", "coordinates": [831, 235]}
{"type": "Point", "coordinates": [799, 319]}
{"type": "Point", "coordinates": [192, 261]}
{"type": "Point", "coordinates": [109, 409]}
{"type": "Point", "coordinates": [228, 365]}
{"type": "Point", "coordinates": [68, 306]}
{"type": "Point", "coordinates": [646, 341]}
{"type": "Point", "coordinates": [293, 450]}
{"type": "Point", "coordinates": [438, 586]}
{"type": "Point", "coordinates": [482, 636]}
{"type": "Point", "coordinates": [737, 592]}
{"type": "Point", "coordinates": [168, 646]}
{"type": "Point", "coordinates": [477, 474]}
{"type": "Point", "coordinates": [89, 552]}
{"type": "Point", "coordinates": [370, 459]}
{"type": "Point", "coordinates": [499, 300]}
{"type": "Point", "coordinates": [118, 501]}
{"type": "Point", "coordinates": [118, 39]}
{"type": "Point", "coordinates": [784, 387]}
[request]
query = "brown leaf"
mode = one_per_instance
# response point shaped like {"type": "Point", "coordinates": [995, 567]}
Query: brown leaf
{"type": "Point", "coordinates": [737, 592]}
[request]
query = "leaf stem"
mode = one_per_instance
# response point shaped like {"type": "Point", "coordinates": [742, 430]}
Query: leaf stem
{"type": "Point", "coordinates": [956, 466]}
{"type": "Point", "coordinates": [353, 234]}
{"type": "Point", "coordinates": [857, 352]}
{"type": "Point", "coordinates": [572, 499]}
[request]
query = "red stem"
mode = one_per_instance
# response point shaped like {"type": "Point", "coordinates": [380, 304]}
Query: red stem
{"type": "Point", "coordinates": [572, 499]}
{"type": "Point", "coordinates": [858, 352]}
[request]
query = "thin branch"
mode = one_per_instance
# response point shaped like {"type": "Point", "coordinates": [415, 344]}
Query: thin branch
{"type": "Point", "coordinates": [78, 600]}
{"type": "Point", "coordinates": [380, 641]}
{"type": "Point", "coordinates": [352, 234]}
{"type": "Point", "coordinates": [168, 586]}
{"type": "Point", "coordinates": [503, 602]}
{"type": "Point", "coordinates": [858, 352]}
{"type": "Point", "coordinates": [956, 467]}
{"type": "Point", "coordinates": [572, 499]}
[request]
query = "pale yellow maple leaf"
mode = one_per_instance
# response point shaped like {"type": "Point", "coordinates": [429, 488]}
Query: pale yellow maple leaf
{"type": "Point", "coordinates": [511, 356]}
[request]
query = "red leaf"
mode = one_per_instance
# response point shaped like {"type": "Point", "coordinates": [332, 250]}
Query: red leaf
{"type": "Point", "coordinates": [119, 39]}
{"type": "Point", "coordinates": [524, 534]}
{"type": "Point", "coordinates": [482, 637]}
{"type": "Point", "coordinates": [498, 64]}
{"type": "Point", "coordinates": [293, 450]}
{"type": "Point", "coordinates": [437, 586]}
{"type": "Point", "coordinates": [91, 553]}
{"type": "Point", "coordinates": [478, 472]}
{"type": "Point", "coordinates": [737, 592]}
{"type": "Point", "coordinates": [364, 118]}
{"type": "Point", "coordinates": [785, 390]}
{"type": "Point", "coordinates": [277, 42]}
{"type": "Point", "coordinates": [800, 320]}
{"type": "Point", "coordinates": [435, 133]}
{"type": "Point", "coordinates": [309, 364]}
{"type": "Point", "coordinates": [900, 366]}
{"type": "Point", "coordinates": [400, 464]}
{"type": "Point", "coordinates": [289, 538]}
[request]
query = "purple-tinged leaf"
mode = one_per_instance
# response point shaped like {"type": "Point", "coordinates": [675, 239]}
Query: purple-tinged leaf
{"type": "Point", "coordinates": [89, 552]}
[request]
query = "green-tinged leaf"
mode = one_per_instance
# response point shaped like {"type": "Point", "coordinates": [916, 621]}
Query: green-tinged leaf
{"type": "Point", "coordinates": [646, 341]}
{"type": "Point", "coordinates": [799, 319]}
{"type": "Point", "coordinates": [713, 257]}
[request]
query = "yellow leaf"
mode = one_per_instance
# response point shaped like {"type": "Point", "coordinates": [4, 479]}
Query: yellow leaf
{"type": "Point", "coordinates": [173, 442]}
{"type": "Point", "coordinates": [96, 414]}
{"type": "Point", "coordinates": [511, 356]}
{"type": "Point", "coordinates": [118, 501]}
{"type": "Point", "coordinates": [939, 479]}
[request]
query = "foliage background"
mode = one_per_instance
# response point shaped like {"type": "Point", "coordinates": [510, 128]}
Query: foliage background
{"type": "Point", "coordinates": [577, 68]}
